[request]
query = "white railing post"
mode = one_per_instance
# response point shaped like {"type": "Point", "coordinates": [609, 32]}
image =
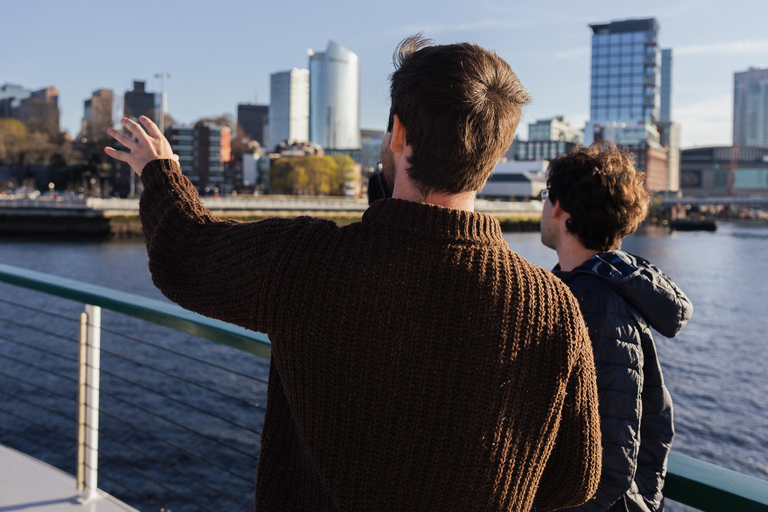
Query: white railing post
{"type": "Point", "coordinates": [82, 389]}
{"type": "Point", "coordinates": [92, 379]}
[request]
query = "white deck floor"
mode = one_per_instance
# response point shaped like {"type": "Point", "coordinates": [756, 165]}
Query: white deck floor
{"type": "Point", "coordinates": [29, 485]}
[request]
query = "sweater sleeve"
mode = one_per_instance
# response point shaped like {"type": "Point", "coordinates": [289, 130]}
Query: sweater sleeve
{"type": "Point", "coordinates": [573, 469]}
{"type": "Point", "coordinates": [618, 359]}
{"type": "Point", "coordinates": [211, 266]}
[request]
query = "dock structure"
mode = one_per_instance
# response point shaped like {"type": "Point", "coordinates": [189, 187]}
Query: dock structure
{"type": "Point", "coordinates": [29, 484]}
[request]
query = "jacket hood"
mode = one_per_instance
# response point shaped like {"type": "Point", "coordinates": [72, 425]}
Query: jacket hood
{"type": "Point", "coordinates": [663, 305]}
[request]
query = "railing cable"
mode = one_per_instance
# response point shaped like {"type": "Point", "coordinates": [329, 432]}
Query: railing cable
{"type": "Point", "coordinates": [38, 424]}
{"type": "Point", "coordinates": [182, 379]}
{"type": "Point", "coordinates": [119, 420]}
{"type": "Point", "coordinates": [49, 390]}
{"type": "Point", "coordinates": [122, 357]}
{"type": "Point", "coordinates": [39, 406]}
{"type": "Point", "coordinates": [42, 369]}
{"type": "Point", "coordinates": [125, 336]}
{"type": "Point", "coordinates": [150, 479]}
{"type": "Point", "coordinates": [38, 329]}
{"type": "Point", "coordinates": [181, 354]}
{"type": "Point", "coordinates": [169, 466]}
{"type": "Point", "coordinates": [177, 424]}
{"type": "Point", "coordinates": [39, 349]}
{"type": "Point", "coordinates": [38, 310]}
{"type": "Point", "coordinates": [177, 401]}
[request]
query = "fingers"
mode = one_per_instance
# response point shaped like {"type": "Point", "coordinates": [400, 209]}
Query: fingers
{"type": "Point", "coordinates": [135, 129]}
{"type": "Point", "coordinates": [122, 138]}
{"type": "Point", "coordinates": [117, 155]}
{"type": "Point", "coordinates": [151, 127]}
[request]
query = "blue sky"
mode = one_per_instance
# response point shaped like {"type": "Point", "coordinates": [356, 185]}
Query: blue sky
{"type": "Point", "coordinates": [221, 53]}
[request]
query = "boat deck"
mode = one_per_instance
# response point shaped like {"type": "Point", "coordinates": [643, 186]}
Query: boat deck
{"type": "Point", "coordinates": [31, 485]}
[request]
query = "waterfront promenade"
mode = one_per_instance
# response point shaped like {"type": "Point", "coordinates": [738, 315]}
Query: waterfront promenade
{"type": "Point", "coordinates": [120, 217]}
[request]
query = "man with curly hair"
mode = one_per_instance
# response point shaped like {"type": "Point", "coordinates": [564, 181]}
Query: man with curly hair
{"type": "Point", "coordinates": [595, 197]}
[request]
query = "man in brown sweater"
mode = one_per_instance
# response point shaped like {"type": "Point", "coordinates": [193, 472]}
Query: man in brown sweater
{"type": "Point", "coordinates": [417, 363]}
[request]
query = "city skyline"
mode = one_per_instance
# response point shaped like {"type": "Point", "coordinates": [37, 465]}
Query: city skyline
{"type": "Point", "coordinates": [547, 47]}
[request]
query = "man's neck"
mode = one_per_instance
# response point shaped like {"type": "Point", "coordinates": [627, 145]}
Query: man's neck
{"type": "Point", "coordinates": [404, 189]}
{"type": "Point", "coordinates": [572, 253]}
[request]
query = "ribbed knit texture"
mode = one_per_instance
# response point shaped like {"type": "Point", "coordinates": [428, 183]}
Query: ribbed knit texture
{"type": "Point", "coordinates": [417, 363]}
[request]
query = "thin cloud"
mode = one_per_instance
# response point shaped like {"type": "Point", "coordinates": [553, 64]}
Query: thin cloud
{"type": "Point", "coordinates": [745, 47]}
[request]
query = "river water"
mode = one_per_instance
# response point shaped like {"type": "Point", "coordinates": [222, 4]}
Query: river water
{"type": "Point", "coordinates": [715, 369]}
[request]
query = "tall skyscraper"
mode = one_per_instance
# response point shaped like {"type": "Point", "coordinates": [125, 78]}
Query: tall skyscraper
{"type": "Point", "coordinates": [140, 102]}
{"type": "Point", "coordinates": [666, 85]}
{"type": "Point", "coordinates": [626, 73]}
{"type": "Point", "coordinates": [631, 97]}
{"type": "Point", "coordinates": [252, 120]}
{"type": "Point", "coordinates": [750, 107]}
{"type": "Point", "coordinates": [334, 105]}
{"type": "Point", "coordinates": [289, 107]}
{"type": "Point", "coordinates": [97, 115]}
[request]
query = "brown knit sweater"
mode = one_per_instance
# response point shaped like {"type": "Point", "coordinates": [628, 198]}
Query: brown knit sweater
{"type": "Point", "coordinates": [417, 363]}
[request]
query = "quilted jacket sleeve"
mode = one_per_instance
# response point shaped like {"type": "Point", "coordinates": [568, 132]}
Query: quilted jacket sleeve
{"type": "Point", "coordinates": [616, 340]}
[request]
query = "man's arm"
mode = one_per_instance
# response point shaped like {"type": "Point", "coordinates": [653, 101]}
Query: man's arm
{"type": "Point", "coordinates": [618, 358]}
{"type": "Point", "coordinates": [573, 469]}
{"type": "Point", "coordinates": [211, 266]}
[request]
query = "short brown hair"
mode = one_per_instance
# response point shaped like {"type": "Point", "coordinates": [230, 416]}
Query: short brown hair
{"type": "Point", "coordinates": [460, 105]}
{"type": "Point", "coordinates": [602, 192]}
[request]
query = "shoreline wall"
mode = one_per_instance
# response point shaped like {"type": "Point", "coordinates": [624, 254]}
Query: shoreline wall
{"type": "Point", "coordinates": [105, 224]}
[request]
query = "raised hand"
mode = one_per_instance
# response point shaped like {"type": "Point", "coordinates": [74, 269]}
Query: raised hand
{"type": "Point", "coordinates": [150, 144]}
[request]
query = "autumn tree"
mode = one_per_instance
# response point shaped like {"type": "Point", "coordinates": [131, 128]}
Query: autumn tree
{"type": "Point", "coordinates": [311, 175]}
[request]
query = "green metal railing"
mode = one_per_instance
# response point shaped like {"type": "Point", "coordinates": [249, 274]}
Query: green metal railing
{"type": "Point", "coordinates": [690, 481]}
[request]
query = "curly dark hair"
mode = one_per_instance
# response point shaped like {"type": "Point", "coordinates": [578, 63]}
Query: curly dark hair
{"type": "Point", "coordinates": [460, 105]}
{"type": "Point", "coordinates": [605, 196]}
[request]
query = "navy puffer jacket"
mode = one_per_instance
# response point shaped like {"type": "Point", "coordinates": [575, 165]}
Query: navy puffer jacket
{"type": "Point", "coordinates": [621, 295]}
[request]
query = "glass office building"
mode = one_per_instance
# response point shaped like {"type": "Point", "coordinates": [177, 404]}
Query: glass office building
{"type": "Point", "coordinates": [288, 107]}
{"type": "Point", "coordinates": [626, 72]}
{"type": "Point", "coordinates": [750, 107]}
{"type": "Point", "coordinates": [334, 98]}
{"type": "Point", "coordinates": [666, 85]}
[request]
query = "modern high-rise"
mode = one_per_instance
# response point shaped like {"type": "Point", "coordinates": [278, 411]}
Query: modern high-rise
{"type": "Point", "coordinates": [288, 107]}
{"type": "Point", "coordinates": [626, 74]}
{"type": "Point", "coordinates": [666, 85]}
{"type": "Point", "coordinates": [750, 107]}
{"type": "Point", "coordinates": [631, 97]}
{"type": "Point", "coordinates": [252, 120]}
{"type": "Point", "coordinates": [97, 115]}
{"type": "Point", "coordinates": [10, 97]}
{"type": "Point", "coordinates": [334, 105]}
{"type": "Point", "coordinates": [40, 111]}
{"type": "Point", "coordinates": [139, 102]}
{"type": "Point", "coordinates": [204, 151]}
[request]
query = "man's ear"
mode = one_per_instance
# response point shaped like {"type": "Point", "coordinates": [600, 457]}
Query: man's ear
{"type": "Point", "coordinates": [397, 142]}
{"type": "Point", "coordinates": [557, 210]}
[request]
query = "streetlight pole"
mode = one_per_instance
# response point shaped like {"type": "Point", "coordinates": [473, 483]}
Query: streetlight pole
{"type": "Point", "coordinates": [163, 102]}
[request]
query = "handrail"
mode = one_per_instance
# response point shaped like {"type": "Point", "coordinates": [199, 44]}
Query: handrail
{"type": "Point", "coordinates": [690, 481]}
{"type": "Point", "coordinates": [150, 310]}
{"type": "Point", "coordinates": [713, 488]}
